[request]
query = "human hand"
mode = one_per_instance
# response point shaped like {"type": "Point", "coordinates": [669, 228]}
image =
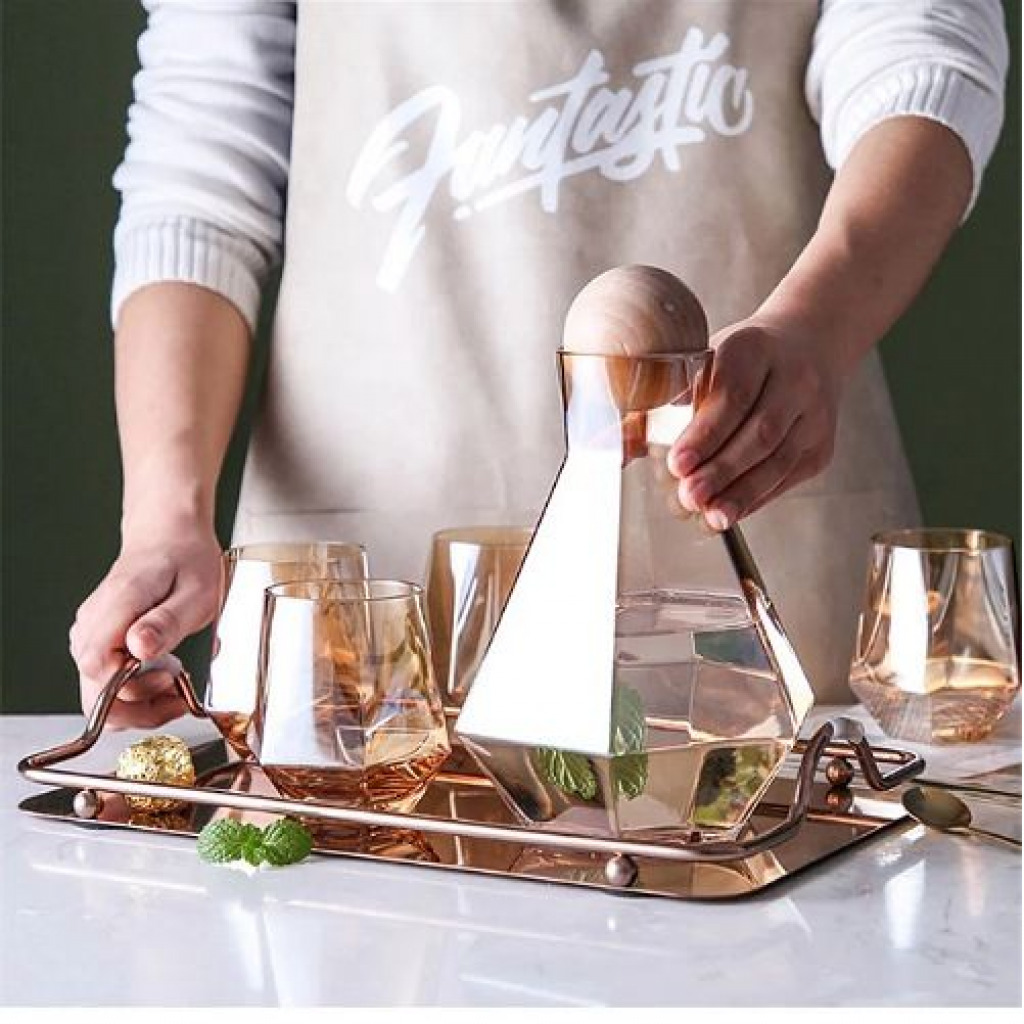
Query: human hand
{"type": "Point", "coordinates": [767, 423]}
{"type": "Point", "coordinates": [161, 588]}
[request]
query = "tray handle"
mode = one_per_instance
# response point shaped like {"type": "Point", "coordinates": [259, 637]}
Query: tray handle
{"type": "Point", "coordinates": [131, 668]}
{"type": "Point", "coordinates": [848, 733]}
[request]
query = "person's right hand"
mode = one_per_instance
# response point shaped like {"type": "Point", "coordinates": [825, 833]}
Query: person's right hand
{"type": "Point", "coordinates": [158, 591]}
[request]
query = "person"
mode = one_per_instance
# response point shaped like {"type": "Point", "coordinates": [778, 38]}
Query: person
{"type": "Point", "coordinates": [442, 179]}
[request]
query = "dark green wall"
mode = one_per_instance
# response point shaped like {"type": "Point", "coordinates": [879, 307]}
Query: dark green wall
{"type": "Point", "coordinates": [954, 361]}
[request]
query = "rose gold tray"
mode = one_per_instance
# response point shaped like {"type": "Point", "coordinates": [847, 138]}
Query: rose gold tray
{"type": "Point", "coordinates": [811, 812]}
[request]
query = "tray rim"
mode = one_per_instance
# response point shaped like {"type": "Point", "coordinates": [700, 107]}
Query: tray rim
{"type": "Point", "coordinates": [870, 829]}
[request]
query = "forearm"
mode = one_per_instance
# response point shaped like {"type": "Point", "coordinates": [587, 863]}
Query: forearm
{"type": "Point", "coordinates": [890, 213]}
{"type": "Point", "coordinates": [769, 421]}
{"type": "Point", "coordinates": [201, 222]}
{"type": "Point", "coordinates": [182, 354]}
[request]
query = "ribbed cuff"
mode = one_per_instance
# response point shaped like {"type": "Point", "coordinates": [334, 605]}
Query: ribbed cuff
{"type": "Point", "coordinates": [939, 93]}
{"type": "Point", "coordinates": [186, 249]}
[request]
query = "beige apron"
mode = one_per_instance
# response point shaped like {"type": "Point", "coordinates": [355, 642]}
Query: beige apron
{"type": "Point", "coordinates": [459, 171]}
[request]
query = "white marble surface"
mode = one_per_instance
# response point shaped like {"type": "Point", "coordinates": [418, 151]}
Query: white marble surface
{"type": "Point", "coordinates": [114, 918]}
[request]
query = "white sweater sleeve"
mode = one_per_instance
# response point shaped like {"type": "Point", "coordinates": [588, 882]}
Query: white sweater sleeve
{"type": "Point", "coordinates": [203, 177]}
{"type": "Point", "coordinates": [941, 59]}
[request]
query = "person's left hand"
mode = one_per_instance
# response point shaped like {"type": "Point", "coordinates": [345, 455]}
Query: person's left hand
{"type": "Point", "coordinates": [768, 422]}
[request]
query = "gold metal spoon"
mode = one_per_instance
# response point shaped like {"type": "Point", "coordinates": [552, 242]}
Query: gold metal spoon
{"type": "Point", "coordinates": [938, 809]}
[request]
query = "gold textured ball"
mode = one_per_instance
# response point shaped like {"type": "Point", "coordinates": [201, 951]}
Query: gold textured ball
{"type": "Point", "coordinates": [164, 759]}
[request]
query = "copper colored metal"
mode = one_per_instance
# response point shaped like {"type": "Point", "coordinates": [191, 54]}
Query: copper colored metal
{"type": "Point", "coordinates": [40, 768]}
{"type": "Point", "coordinates": [824, 833]}
{"type": "Point", "coordinates": [839, 772]}
{"type": "Point", "coordinates": [621, 871]}
{"type": "Point", "coordinates": [839, 799]}
{"type": "Point", "coordinates": [87, 803]}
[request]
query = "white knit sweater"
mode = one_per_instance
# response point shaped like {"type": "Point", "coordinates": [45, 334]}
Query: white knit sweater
{"type": "Point", "coordinates": [204, 175]}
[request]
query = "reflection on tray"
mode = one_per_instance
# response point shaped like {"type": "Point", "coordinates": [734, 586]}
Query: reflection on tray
{"type": "Point", "coordinates": [328, 836]}
{"type": "Point", "coordinates": [116, 811]}
{"type": "Point", "coordinates": [700, 880]}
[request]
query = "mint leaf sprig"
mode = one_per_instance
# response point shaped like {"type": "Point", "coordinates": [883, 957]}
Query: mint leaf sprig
{"type": "Point", "coordinates": [629, 743]}
{"type": "Point", "coordinates": [574, 773]}
{"type": "Point", "coordinates": [285, 842]}
{"type": "Point", "coordinates": [571, 773]}
{"type": "Point", "coordinates": [280, 843]}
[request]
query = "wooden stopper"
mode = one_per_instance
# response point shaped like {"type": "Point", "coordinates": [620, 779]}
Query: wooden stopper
{"type": "Point", "coordinates": [637, 311]}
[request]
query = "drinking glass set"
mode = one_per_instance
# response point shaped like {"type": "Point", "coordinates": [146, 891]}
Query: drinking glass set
{"type": "Point", "coordinates": [615, 668]}
{"type": "Point", "coordinates": [332, 680]}
{"type": "Point", "coordinates": [339, 684]}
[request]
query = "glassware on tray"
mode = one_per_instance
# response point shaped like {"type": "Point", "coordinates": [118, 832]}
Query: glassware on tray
{"type": "Point", "coordinates": [247, 572]}
{"type": "Point", "coordinates": [347, 708]}
{"type": "Point", "coordinates": [469, 577]}
{"type": "Point", "coordinates": [938, 641]}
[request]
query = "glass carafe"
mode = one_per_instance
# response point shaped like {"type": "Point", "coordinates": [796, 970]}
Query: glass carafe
{"type": "Point", "coordinates": [639, 679]}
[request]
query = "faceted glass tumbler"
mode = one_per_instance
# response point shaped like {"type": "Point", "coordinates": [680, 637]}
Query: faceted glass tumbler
{"type": "Point", "coordinates": [469, 578]}
{"type": "Point", "coordinates": [347, 710]}
{"type": "Point", "coordinates": [246, 573]}
{"type": "Point", "coordinates": [639, 680]}
{"type": "Point", "coordinates": [938, 642]}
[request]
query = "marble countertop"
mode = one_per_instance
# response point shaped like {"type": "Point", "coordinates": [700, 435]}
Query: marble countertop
{"type": "Point", "coordinates": [96, 917]}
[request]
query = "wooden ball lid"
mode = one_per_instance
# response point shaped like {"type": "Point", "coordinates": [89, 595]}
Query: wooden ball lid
{"type": "Point", "coordinates": [635, 311]}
